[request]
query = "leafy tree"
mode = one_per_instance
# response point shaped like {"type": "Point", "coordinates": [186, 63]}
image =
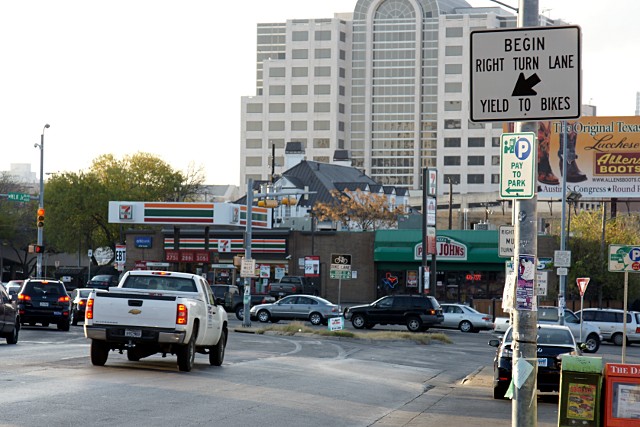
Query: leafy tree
{"type": "Point", "coordinates": [359, 210]}
{"type": "Point", "coordinates": [17, 224]}
{"type": "Point", "coordinates": [589, 253]}
{"type": "Point", "coordinates": [77, 203]}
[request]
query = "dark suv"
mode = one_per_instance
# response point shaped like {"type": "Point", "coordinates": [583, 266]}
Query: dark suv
{"type": "Point", "coordinates": [418, 312]}
{"type": "Point", "coordinates": [44, 301]}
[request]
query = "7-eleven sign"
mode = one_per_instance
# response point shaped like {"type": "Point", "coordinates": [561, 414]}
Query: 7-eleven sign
{"type": "Point", "coordinates": [582, 284]}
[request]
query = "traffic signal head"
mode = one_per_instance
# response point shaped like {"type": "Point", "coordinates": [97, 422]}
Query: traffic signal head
{"type": "Point", "coordinates": [39, 249]}
{"type": "Point", "coordinates": [40, 218]}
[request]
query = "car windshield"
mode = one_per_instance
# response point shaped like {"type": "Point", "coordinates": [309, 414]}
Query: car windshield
{"type": "Point", "coordinates": [160, 283]}
{"type": "Point", "coordinates": [470, 310]}
{"type": "Point", "coordinates": [550, 336]}
{"type": "Point", "coordinates": [548, 314]}
{"type": "Point", "coordinates": [84, 293]}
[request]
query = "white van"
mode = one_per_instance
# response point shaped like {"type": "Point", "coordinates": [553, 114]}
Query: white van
{"type": "Point", "coordinates": [610, 321]}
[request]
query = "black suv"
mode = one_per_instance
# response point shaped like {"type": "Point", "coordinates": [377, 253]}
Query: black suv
{"type": "Point", "coordinates": [418, 312]}
{"type": "Point", "coordinates": [44, 301]}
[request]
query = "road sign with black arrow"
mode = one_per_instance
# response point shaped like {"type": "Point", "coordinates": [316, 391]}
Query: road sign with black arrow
{"type": "Point", "coordinates": [525, 74]}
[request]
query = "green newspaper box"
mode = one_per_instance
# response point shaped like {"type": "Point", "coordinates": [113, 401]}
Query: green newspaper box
{"type": "Point", "coordinates": [580, 387]}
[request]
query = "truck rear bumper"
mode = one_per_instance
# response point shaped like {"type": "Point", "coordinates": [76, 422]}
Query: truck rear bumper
{"type": "Point", "coordinates": [148, 335]}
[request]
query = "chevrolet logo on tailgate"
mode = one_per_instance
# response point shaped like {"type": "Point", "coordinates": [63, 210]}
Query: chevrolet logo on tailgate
{"type": "Point", "coordinates": [135, 311]}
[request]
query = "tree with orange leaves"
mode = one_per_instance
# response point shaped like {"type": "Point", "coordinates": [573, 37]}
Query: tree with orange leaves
{"type": "Point", "coordinates": [359, 210]}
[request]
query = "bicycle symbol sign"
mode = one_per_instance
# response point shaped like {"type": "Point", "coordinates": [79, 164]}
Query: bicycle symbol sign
{"type": "Point", "coordinates": [341, 259]}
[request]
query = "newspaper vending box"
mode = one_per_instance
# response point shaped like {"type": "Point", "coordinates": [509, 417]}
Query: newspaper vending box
{"type": "Point", "coordinates": [622, 395]}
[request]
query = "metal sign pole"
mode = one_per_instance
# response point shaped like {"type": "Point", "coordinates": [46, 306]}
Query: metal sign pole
{"type": "Point", "coordinates": [624, 321]}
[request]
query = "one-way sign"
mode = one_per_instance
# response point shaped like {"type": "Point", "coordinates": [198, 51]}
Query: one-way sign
{"type": "Point", "coordinates": [525, 74]}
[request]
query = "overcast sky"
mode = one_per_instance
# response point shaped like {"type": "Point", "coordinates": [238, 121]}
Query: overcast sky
{"type": "Point", "coordinates": [166, 77]}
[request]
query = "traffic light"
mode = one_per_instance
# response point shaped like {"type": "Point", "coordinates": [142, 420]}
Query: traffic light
{"type": "Point", "coordinates": [268, 203]}
{"type": "Point", "coordinates": [40, 218]}
{"type": "Point", "coordinates": [36, 249]}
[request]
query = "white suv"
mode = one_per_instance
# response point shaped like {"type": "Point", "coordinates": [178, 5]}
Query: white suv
{"type": "Point", "coordinates": [591, 336]}
{"type": "Point", "coordinates": [610, 322]}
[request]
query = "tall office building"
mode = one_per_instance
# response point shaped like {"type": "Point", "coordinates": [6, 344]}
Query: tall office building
{"type": "Point", "coordinates": [388, 83]}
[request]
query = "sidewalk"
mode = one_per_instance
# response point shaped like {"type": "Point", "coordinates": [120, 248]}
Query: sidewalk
{"type": "Point", "coordinates": [466, 404]}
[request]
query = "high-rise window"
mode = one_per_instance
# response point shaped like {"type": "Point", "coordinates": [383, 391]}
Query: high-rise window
{"type": "Point", "coordinates": [300, 36]}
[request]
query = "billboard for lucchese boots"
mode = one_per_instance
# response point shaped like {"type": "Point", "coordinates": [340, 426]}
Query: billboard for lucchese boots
{"type": "Point", "coordinates": [603, 155]}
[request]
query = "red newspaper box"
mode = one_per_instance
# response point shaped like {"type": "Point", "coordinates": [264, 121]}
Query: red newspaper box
{"type": "Point", "coordinates": [622, 395]}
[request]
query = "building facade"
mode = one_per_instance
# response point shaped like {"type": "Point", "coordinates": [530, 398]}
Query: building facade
{"type": "Point", "coordinates": [388, 83]}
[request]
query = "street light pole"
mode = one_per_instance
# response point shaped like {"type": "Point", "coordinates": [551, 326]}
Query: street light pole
{"type": "Point", "coordinates": [41, 199]}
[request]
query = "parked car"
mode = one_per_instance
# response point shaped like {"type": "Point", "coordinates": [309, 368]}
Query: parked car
{"type": "Point", "coordinates": [610, 322]}
{"type": "Point", "coordinates": [224, 294]}
{"type": "Point", "coordinates": [297, 307]}
{"type": "Point", "coordinates": [237, 304]}
{"type": "Point", "coordinates": [44, 301]}
{"type": "Point", "coordinates": [501, 324]}
{"type": "Point", "coordinates": [589, 332]}
{"type": "Point", "coordinates": [9, 322]}
{"type": "Point", "coordinates": [13, 287]}
{"type": "Point", "coordinates": [79, 304]}
{"type": "Point", "coordinates": [418, 312]}
{"type": "Point", "coordinates": [554, 341]}
{"type": "Point", "coordinates": [288, 285]}
{"type": "Point", "coordinates": [103, 281]}
{"type": "Point", "coordinates": [465, 318]}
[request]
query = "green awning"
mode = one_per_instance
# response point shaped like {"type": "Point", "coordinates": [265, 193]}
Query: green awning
{"type": "Point", "coordinates": [479, 246]}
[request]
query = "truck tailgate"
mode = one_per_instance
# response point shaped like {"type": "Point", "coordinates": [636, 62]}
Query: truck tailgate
{"type": "Point", "coordinates": [132, 309]}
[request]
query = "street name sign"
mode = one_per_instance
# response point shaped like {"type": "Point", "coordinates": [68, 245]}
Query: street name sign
{"type": "Point", "coordinates": [19, 197]}
{"type": "Point", "coordinates": [517, 167]}
{"type": "Point", "coordinates": [525, 74]}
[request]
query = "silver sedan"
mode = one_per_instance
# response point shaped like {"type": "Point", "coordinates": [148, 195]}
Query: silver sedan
{"type": "Point", "coordinates": [297, 307]}
{"type": "Point", "coordinates": [465, 318]}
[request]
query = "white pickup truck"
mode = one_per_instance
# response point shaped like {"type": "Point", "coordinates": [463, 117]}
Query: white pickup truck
{"type": "Point", "coordinates": [153, 312]}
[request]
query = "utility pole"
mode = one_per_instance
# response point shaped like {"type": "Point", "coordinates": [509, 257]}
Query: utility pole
{"type": "Point", "coordinates": [246, 318]}
{"type": "Point", "coordinates": [524, 405]}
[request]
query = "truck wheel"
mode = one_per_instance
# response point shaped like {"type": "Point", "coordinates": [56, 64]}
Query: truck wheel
{"type": "Point", "coordinates": [133, 355]}
{"type": "Point", "coordinates": [358, 321]}
{"type": "Point", "coordinates": [186, 355]}
{"type": "Point", "coordinates": [216, 353]}
{"type": "Point", "coordinates": [315, 319]}
{"type": "Point", "coordinates": [240, 312]}
{"type": "Point", "coordinates": [99, 352]}
{"type": "Point", "coordinates": [264, 316]}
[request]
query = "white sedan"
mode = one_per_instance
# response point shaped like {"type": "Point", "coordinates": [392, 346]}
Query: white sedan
{"type": "Point", "coordinates": [465, 318]}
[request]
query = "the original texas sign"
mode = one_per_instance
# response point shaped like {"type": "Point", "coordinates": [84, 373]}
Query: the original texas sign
{"type": "Point", "coordinates": [602, 155]}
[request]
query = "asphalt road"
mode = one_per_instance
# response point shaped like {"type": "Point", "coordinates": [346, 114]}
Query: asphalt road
{"type": "Point", "coordinates": [266, 380]}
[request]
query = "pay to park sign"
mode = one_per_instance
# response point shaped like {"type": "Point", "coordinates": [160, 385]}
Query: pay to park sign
{"type": "Point", "coordinates": [517, 167]}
